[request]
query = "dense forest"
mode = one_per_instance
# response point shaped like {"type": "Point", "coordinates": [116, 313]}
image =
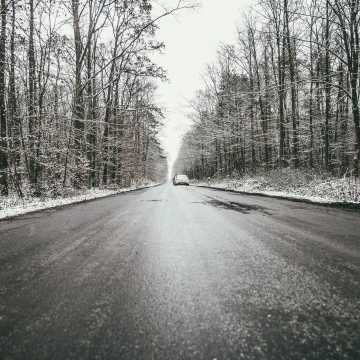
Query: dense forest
{"type": "Point", "coordinates": [285, 95]}
{"type": "Point", "coordinates": [77, 84]}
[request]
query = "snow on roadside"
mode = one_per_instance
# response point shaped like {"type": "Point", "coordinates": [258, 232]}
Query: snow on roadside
{"type": "Point", "coordinates": [295, 185]}
{"type": "Point", "coordinates": [13, 206]}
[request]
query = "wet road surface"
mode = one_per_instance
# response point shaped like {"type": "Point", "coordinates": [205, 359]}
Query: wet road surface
{"type": "Point", "coordinates": [181, 273]}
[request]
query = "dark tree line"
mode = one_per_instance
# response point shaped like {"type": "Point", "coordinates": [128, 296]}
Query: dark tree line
{"type": "Point", "coordinates": [285, 95]}
{"type": "Point", "coordinates": [77, 90]}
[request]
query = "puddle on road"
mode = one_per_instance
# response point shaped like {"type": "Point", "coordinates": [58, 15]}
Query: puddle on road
{"type": "Point", "coordinates": [238, 207]}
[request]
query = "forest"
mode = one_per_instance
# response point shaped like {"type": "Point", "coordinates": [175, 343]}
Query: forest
{"type": "Point", "coordinates": [285, 95]}
{"type": "Point", "coordinates": [77, 103]}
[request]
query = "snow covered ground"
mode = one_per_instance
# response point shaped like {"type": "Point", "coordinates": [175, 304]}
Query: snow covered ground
{"type": "Point", "coordinates": [294, 184]}
{"type": "Point", "coordinates": [13, 206]}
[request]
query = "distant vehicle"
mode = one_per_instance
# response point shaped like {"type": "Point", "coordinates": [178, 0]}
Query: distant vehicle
{"type": "Point", "coordinates": [181, 180]}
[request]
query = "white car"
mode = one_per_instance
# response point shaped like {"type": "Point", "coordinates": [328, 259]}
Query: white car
{"type": "Point", "coordinates": [181, 180]}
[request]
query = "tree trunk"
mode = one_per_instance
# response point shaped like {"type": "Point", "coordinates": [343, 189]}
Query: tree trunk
{"type": "Point", "coordinates": [327, 90]}
{"type": "Point", "coordinates": [3, 121]}
{"type": "Point", "coordinates": [31, 106]}
{"type": "Point", "coordinates": [78, 101]}
{"type": "Point", "coordinates": [291, 56]}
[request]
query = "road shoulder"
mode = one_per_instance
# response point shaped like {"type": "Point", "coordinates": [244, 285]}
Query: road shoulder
{"type": "Point", "coordinates": [39, 206]}
{"type": "Point", "coordinates": [288, 197]}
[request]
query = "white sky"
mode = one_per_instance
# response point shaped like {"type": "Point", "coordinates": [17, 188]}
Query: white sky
{"type": "Point", "coordinates": [192, 39]}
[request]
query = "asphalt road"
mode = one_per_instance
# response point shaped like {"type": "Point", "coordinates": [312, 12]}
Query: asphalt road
{"type": "Point", "coordinates": [181, 273]}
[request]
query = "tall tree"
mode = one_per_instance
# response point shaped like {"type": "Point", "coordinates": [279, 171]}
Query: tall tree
{"type": "Point", "coordinates": [3, 120]}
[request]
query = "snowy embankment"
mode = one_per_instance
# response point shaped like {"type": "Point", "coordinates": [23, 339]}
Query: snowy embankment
{"type": "Point", "coordinates": [293, 184]}
{"type": "Point", "coordinates": [11, 206]}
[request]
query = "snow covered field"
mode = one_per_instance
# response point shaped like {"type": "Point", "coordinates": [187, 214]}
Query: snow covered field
{"type": "Point", "coordinates": [13, 206]}
{"type": "Point", "coordinates": [293, 184]}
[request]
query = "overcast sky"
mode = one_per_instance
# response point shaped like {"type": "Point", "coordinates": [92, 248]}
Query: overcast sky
{"type": "Point", "coordinates": [192, 39]}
